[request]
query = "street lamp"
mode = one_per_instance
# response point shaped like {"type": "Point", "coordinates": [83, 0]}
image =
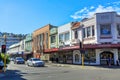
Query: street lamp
{"type": "Point", "coordinates": [5, 53]}
{"type": "Point", "coordinates": [81, 51]}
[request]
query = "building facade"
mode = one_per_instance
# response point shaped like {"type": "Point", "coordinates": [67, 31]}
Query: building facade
{"type": "Point", "coordinates": [63, 52]}
{"type": "Point", "coordinates": [28, 46]}
{"type": "Point", "coordinates": [99, 36]}
{"type": "Point", "coordinates": [41, 41]}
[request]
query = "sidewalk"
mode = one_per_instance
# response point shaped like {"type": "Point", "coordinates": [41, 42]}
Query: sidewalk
{"type": "Point", "coordinates": [99, 67]}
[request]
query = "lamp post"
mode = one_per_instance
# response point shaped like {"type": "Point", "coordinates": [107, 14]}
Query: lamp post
{"type": "Point", "coordinates": [81, 51]}
{"type": "Point", "coordinates": [5, 53]}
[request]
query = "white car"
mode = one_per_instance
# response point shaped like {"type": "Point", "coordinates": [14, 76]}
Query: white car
{"type": "Point", "coordinates": [35, 62]}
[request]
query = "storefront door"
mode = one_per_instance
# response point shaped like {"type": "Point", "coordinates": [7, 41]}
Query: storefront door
{"type": "Point", "coordinates": [76, 57]}
{"type": "Point", "coordinates": [106, 57]}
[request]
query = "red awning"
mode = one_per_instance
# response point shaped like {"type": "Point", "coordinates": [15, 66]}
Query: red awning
{"type": "Point", "coordinates": [51, 50]}
{"type": "Point", "coordinates": [85, 46]}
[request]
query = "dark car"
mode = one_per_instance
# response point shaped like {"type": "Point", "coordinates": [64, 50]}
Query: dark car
{"type": "Point", "coordinates": [1, 65]}
{"type": "Point", "coordinates": [19, 60]}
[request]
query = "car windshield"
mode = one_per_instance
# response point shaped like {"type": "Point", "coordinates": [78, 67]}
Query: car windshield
{"type": "Point", "coordinates": [36, 59]}
{"type": "Point", "coordinates": [19, 58]}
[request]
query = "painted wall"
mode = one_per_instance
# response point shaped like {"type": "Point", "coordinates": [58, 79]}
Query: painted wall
{"type": "Point", "coordinates": [108, 18]}
{"type": "Point", "coordinates": [65, 28]}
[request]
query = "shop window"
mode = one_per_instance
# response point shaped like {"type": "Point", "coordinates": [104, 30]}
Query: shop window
{"type": "Point", "coordinates": [76, 58]}
{"type": "Point", "coordinates": [119, 54]}
{"type": "Point", "coordinates": [90, 56]}
{"type": "Point", "coordinates": [105, 29]}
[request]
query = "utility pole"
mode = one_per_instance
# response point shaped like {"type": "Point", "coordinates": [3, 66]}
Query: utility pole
{"type": "Point", "coordinates": [82, 52]}
{"type": "Point", "coordinates": [5, 53]}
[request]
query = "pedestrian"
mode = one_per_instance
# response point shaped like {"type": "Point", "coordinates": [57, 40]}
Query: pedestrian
{"type": "Point", "coordinates": [109, 61]}
{"type": "Point", "coordinates": [117, 62]}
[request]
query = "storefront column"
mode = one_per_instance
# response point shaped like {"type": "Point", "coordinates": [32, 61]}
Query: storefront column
{"type": "Point", "coordinates": [115, 51]}
{"type": "Point", "coordinates": [98, 56]}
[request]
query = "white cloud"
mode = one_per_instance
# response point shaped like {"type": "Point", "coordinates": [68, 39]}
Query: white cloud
{"type": "Point", "coordinates": [88, 12]}
{"type": "Point", "coordinates": [92, 7]}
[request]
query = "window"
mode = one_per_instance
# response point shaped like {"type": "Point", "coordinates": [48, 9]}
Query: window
{"type": "Point", "coordinates": [76, 34]}
{"type": "Point", "coordinates": [88, 31]}
{"type": "Point", "coordinates": [90, 56]}
{"type": "Point", "coordinates": [83, 32]}
{"type": "Point", "coordinates": [118, 29]}
{"type": "Point", "coordinates": [53, 39]}
{"type": "Point", "coordinates": [60, 37]}
{"type": "Point", "coordinates": [46, 40]}
{"type": "Point", "coordinates": [93, 30]}
{"type": "Point", "coordinates": [105, 29]}
{"type": "Point", "coordinates": [67, 36]}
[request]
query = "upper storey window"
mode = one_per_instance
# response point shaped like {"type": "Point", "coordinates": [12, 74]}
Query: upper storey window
{"type": "Point", "coordinates": [61, 38]}
{"type": "Point", "coordinates": [105, 29]}
{"type": "Point", "coordinates": [118, 29]}
{"type": "Point", "coordinates": [84, 29]}
{"type": "Point", "coordinates": [88, 31]}
{"type": "Point", "coordinates": [67, 35]}
{"type": "Point", "coordinates": [93, 30]}
{"type": "Point", "coordinates": [76, 34]}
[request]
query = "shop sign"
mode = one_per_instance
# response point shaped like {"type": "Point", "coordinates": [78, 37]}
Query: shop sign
{"type": "Point", "coordinates": [53, 31]}
{"type": "Point", "coordinates": [50, 50]}
{"type": "Point", "coordinates": [70, 47]}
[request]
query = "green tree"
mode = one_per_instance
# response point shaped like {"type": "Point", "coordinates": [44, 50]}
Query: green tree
{"type": "Point", "coordinates": [2, 57]}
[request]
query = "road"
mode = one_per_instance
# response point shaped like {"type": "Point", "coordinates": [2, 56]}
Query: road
{"type": "Point", "coordinates": [23, 72]}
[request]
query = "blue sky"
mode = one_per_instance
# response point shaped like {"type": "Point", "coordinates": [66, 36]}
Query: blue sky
{"type": "Point", "coordinates": [25, 16]}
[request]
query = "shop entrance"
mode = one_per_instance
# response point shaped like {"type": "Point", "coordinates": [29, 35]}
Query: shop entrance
{"type": "Point", "coordinates": [106, 57]}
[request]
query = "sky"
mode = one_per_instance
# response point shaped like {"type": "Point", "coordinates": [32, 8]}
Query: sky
{"type": "Point", "coordinates": [25, 16]}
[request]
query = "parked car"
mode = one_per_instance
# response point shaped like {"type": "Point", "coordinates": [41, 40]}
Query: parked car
{"type": "Point", "coordinates": [35, 62]}
{"type": "Point", "coordinates": [12, 59]}
{"type": "Point", "coordinates": [19, 60]}
{"type": "Point", "coordinates": [1, 65]}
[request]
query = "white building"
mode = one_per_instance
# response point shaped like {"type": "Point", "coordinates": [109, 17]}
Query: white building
{"type": "Point", "coordinates": [17, 49]}
{"type": "Point", "coordinates": [101, 38]}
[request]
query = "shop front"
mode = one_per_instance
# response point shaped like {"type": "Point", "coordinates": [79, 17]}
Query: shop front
{"type": "Point", "coordinates": [101, 54]}
{"type": "Point", "coordinates": [106, 56]}
{"type": "Point", "coordinates": [65, 57]}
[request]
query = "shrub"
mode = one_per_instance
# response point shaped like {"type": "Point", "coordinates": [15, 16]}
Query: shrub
{"type": "Point", "coordinates": [2, 56]}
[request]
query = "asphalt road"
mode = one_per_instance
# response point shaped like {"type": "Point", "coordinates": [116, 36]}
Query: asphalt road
{"type": "Point", "coordinates": [50, 72]}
